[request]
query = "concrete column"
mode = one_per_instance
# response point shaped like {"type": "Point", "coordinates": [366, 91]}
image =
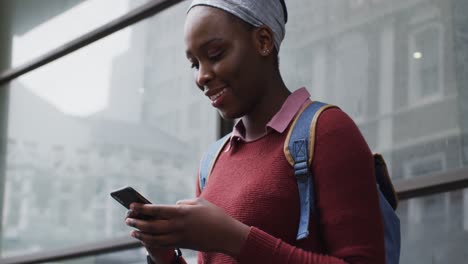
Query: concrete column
{"type": "Point", "coordinates": [5, 59]}
{"type": "Point", "coordinates": [386, 87]}
{"type": "Point", "coordinates": [460, 38]}
{"type": "Point", "coordinates": [319, 72]}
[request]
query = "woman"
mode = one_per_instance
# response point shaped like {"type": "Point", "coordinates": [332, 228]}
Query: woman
{"type": "Point", "coordinates": [249, 210]}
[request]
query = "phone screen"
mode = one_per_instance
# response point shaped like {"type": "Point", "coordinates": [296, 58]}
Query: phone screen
{"type": "Point", "coordinates": [128, 195]}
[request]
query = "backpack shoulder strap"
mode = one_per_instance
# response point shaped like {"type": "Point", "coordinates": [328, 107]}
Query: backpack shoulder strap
{"type": "Point", "coordinates": [299, 151]}
{"type": "Point", "coordinates": [384, 181]}
{"type": "Point", "coordinates": [388, 201]}
{"type": "Point", "coordinates": [209, 159]}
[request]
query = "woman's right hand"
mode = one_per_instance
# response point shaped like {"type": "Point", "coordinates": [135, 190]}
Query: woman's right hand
{"type": "Point", "coordinates": [158, 255]}
{"type": "Point", "coordinates": [193, 224]}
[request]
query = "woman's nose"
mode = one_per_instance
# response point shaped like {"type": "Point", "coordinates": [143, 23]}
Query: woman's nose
{"type": "Point", "coordinates": [204, 76]}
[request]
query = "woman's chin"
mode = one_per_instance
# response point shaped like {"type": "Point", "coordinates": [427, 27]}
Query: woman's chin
{"type": "Point", "coordinates": [228, 115]}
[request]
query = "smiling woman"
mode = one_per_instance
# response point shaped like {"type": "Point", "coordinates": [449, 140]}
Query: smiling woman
{"type": "Point", "coordinates": [222, 52]}
{"type": "Point", "coordinates": [396, 67]}
{"type": "Point", "coordinates": [249, 210]}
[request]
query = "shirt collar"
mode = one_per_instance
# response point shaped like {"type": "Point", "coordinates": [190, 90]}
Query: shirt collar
{"type": "Point", "coordinates": [280, 121]}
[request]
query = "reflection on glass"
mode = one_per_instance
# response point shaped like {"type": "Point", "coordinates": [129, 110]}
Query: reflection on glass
{"type": "Point", "coordinates": [134, 256]}
{"type": "Point", "coordinates": [391, 66]}
{"type": "Point", "coordinates": [438, 233]}
{"type": "Point", "coordinates": [118, 112]}
{"type": "Point", "coordinates": [50, 24]}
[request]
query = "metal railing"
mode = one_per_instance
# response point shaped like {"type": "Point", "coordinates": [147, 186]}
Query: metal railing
{"type": "Point", "coordinates": [85, 250]}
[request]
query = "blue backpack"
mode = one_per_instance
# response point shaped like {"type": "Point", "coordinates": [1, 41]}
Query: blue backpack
{"type": "Point", "coordinates": [299, 153]}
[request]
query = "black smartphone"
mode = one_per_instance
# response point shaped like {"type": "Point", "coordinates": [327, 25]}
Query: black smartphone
{"type": "Point", "coordinates": [127, 195]}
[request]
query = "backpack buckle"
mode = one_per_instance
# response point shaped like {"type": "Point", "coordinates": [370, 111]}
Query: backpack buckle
{"type": "Point", "coordinates": [301, 170]}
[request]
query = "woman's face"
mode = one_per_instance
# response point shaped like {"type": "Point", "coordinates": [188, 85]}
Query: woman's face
{"type": "Point", "coordinates": [225, 60]}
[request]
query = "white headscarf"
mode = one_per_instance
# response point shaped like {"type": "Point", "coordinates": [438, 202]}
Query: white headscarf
{"type": "Point", "coordinates": [255, 12]}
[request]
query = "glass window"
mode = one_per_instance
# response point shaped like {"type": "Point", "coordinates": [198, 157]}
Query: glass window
{"type": "Point", "coordinates": [426, 71]}
{"type": "Point", "coordinates": [438, 234]}
{"type": "Point", "coordinates": [50, 24]}
{"type": "Point", "coordinates": [393, 69]}
{"type": "Point", "coordinates": [350, 70]}
{"type": "Point", "coordinates": [117, 112]}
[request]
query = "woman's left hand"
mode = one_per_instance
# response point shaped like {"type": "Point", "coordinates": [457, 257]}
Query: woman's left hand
{"type": "Point", "coordinates": [195, 224]}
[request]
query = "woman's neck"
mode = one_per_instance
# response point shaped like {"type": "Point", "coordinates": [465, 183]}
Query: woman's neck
{"type": "Point", "coordinates": [255, 121]}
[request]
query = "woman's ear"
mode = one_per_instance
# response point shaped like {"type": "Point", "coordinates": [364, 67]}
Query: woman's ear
{"type": "Point", "coordinates": [264, 40]}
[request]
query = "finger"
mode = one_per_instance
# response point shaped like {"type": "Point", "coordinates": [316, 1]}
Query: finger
{"type": "Point", "coordinates": [159, 211]}
{"type": "Point", "coordinates": [156, 241]}
{"type": "Point", "coordinates": [154, 227]}
{"type": "Point", "coordinates": [133, 214]}
{"type": "Point", "coordinates": [135, 206]}
{"type": "Point", "coordinates": [129, 213]}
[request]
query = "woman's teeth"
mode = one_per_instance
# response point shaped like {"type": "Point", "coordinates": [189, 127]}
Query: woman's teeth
{"type": "Point", "coordinates": [216, 96]}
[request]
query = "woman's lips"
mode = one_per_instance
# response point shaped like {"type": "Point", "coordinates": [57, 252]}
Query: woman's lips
{"type": "Point", "coordinates": [217, 99]}
{"type": "Point", "coordinates": [217, 95]}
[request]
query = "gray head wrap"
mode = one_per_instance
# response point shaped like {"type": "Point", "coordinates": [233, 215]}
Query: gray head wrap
{"type": "Point", "coordinates": [254, 12]}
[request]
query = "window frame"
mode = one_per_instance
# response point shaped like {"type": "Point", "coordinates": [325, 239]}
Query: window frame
{"type": "Point", "coordinates": [415, 89]}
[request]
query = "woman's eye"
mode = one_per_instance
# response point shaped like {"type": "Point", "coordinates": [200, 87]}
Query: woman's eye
{"type": "Point", "coordinates": [194, 66]}
{"type": "Point", "coordinates": [216, 55]}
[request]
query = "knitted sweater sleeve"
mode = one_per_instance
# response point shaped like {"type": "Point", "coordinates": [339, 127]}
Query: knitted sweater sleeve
{"type": "Point", "coordinates": [350, 221]}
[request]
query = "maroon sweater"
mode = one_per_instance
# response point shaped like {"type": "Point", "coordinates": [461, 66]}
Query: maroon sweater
{"type": "Point", "coordinates": [254, 183]}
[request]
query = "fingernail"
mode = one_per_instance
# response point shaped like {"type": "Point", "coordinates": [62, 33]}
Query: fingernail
{"type": "Point", "coordinates": [130, 222]}
{"type": "Point", "coordinates": [135, 234]}
{"type": "Point", "coordinates": [129, 212]}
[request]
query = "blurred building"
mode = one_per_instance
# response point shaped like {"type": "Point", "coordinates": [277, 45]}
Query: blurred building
{"type": "Point", "coordinates": [395, 68]}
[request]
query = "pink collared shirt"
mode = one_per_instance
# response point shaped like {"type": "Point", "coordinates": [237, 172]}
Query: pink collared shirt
{"type": "Point", "coordinates": [280, 121]}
